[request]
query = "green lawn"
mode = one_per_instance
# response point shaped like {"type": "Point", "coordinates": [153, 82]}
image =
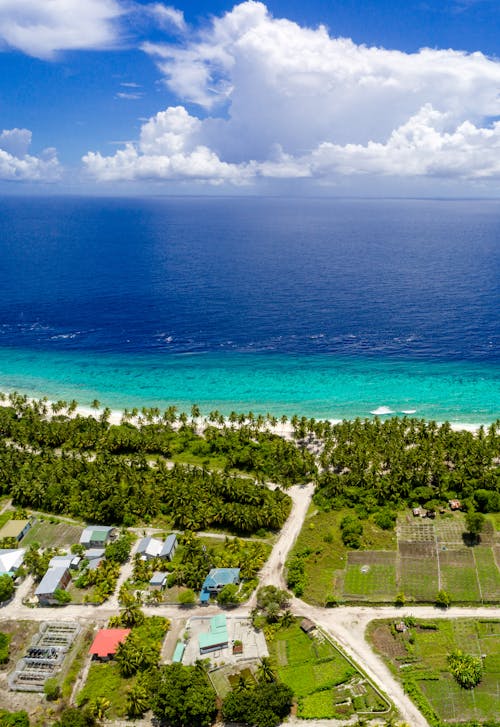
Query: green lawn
{"type": "Point", "coordinates": [458, 575]}
{"type": "Point", "coordinates": [320, 676]}
{"type": "Point", "coordinates": [426, 666]}
{"type": "Point", "coordinates": [419, 578]}
{"type": "Point", "coordinates": [369, 580]}
{"type": "Point", "coordinates": [489, 576]}
{"type": "Point", "coordinates": [104, 680]}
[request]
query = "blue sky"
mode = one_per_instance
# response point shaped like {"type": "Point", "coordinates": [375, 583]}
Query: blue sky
{"type": "Point", "coordinates": [117, 96]}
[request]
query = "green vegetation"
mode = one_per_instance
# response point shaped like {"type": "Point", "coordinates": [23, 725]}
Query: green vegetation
{"type": "Point", "coordinates": [323, 681]}
{"type": "Point", "coordinates": [134, 666]}
{"type": "Point", "coordinates": [262, 704]}
{"type": "Point", "coordinates": [467, 669]}
{"type": "Point", "coordinates": [451, 669]}
{"type": "Point", "coordinates": [125, 478]}
{"type": "Point", "coordinates": [4, 647]}
{"type": "Point", "coordinates": [14, 719]}
{"type": "Point", "coordinates": [6, 587]}
{"type": "Point", "coordinates": [182, 696]}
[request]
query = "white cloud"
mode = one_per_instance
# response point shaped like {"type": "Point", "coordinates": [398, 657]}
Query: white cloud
{"type": "Point", "coordinates": [17, 165]}
{"type": "Point", "coordinates": [290, 102]}
{"type": "Point", "coordinates": [167, 16]}
{"type": "Point", "coordinates": [129, 96]}
{"type": "Point", "coordinates": [40, 28]}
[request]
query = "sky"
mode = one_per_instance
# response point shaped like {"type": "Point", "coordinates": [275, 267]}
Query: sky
{"type": "Point", "coordinates": [329, 97]}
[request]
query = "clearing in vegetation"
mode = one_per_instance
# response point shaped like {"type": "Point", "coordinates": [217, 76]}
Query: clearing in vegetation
{"type": "Point", "coordinates": [419, 558]}
{"type": "Point", "coordinates": [325, 683]}
{"type": "Point", "coordinates": [419, 657]}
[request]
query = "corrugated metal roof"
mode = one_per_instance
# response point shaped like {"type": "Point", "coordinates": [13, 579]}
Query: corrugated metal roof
{"type": "Point", "coordinates": [107, 641]}
{"type": "Point", "coordinates": [51, 581]}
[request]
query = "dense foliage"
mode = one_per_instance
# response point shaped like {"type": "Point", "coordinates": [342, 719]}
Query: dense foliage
{"type": "Point", "coordinates": [406, 461]}
{"type": "Point", "coordinates": [70, 465]}
{"type": "Point", "coordinates": [466, 669]}
{"type": "Point", "coordinates": [14, 719]}
{"type": "Point", "coordinates": [6, 587]}
{"type": "Point", "coordinates": [4, 647]}
{"type": "Point", "coordinates": [264, 704]}
{"type": "Point", "coordinates": [182, 696]}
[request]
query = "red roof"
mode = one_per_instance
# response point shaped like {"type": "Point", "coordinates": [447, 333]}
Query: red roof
{"type": "Point", "coordinates": [107, 641]}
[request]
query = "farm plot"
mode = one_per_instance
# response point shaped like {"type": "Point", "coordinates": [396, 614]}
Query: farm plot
{"type": "Point", "coordinates": [370, 576]}
{"type": "Point", "coordinates": [458, 574]}
{"type": "Point", "coordinates": [425, 666]}
{"type": "Point", "coordinates": [418, 570]}
{"type": "Point", "coordinates": [324, 681]}
{"type": "Point", "coordinates": [488, 573]}
{"type": "Point", "coordinates": [52, 535]}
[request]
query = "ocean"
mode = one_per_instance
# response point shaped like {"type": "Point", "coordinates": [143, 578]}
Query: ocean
{"type": "Point", "coordinates": [323, 307]}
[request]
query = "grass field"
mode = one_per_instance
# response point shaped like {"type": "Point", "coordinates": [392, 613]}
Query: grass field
{"type": "Point", "coordinates": [424, 663]}
{"type": "Point", "coordinates": [105, 680]}
{"type": "Point", "coordinates": [419, 558]}
{"type": "Point", "coordinates": [322, 679]}
{"type": "Point", "coordinates": [52, 534]}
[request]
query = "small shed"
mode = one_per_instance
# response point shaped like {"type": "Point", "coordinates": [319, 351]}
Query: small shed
{"type": "Point", "coordinates": [178, 653]}
{"type": "Point", "coordinates": [106, 643]}
{"type": "Point", "coordinates": [455, 504]}
{"type": "Point", "coordinates": [307, 626]}
{"type": "Point", "coordinates": [416, 512]}
{"type": "Point", "coordinates": [158, 581]}
{"type": "Point", "coordinates": [400, 627]}
{"type": "Point", "coordinates": [68, 561]}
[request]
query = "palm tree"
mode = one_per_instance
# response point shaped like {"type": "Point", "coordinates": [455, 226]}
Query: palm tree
{"type": "Point", "coordinates": [137, 701]}
{"type": "Point", "coordinates": [98, 707]}
{"type": "Point", "coordinates": [265, 670]}
{"type": "Point", "coordinates": [96, 404]}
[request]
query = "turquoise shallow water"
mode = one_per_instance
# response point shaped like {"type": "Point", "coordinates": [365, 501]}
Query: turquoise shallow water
{"type": "Point", "coordinates": [322, 386]}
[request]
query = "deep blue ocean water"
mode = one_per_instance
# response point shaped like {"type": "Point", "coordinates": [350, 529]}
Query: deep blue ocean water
{"type": "Point", "coordinates": [317, 306]}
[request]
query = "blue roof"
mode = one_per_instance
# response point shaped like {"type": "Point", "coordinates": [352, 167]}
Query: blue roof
{"type": "Point", "coordinates": [219, 577]}
{"type": "Point", "coordinates": [204, 596]}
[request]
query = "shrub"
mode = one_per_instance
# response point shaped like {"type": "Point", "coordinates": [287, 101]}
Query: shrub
{"type": "Point", "coordinates": [467, 669]}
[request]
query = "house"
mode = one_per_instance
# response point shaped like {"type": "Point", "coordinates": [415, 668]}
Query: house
{"type": "Point", "coordinates": [455, 504]}
{"type": "Point", "coordinates": [106, 643]}
{"type": "Point", "coordinates": [216, 638]}
{"type": "Point", "coordinates": [16, 529]}
{"type": "Point", "coordinates": [68, 561]}
{"type": "Point", "coordinates": [216, 580]}
{"type": "Point", "coordinates": [96, 536]}
{"type": "Point", "coordinates": [149, 548]}
{"type": "Point", "coordinates": [307, 626]}
{"type": "Point", "coordinates": [55, 579]}
{"type": "Point", "coordinates": [169, 547]}
{"type": "Point", "coordinates": [158, 581]}
{"type": "Point", "coordinates": [11, 559]}
{"type": "Point", "coordinates": [154, 548]}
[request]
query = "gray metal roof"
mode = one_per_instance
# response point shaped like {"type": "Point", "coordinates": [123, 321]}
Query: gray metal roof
{"type": "Point", "coordinates": [169, 544]}
{"type": "Point", "coordinates": [51, 581]}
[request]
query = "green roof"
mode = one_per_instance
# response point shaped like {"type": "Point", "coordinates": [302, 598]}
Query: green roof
{"type": "Point", "coordinates": [13, 528]}
{"type": "Point", "coordinates": [217, 635]}
{"type": "Point", "coordinates": [179, 652]}
{"type": "Point", "coordinates": [99, 536]}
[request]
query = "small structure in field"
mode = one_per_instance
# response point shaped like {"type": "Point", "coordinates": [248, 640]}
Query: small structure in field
{"type": "Point", "coordinates": [455, 504]}
{"type": "Point", "coordinates": [307, 626]}
{"type": "Point", "coordinates": [106, 643]}
{"type": "Point", "coordinates": [400, 627]}
{"type": "Point", "coordinates": [417, 512]}
{"type": "Point", "coordinates": [158, 581]}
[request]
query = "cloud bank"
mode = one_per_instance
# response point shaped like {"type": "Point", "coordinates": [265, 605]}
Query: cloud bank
{"type": "Point", "coordinates": [278, 100]}
{"type": "Point", "coordinates": [40, 28]}
{"type": "Point", "coordinates": [17, 165]}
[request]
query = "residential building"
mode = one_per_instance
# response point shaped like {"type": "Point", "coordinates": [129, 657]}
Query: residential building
{"type": "Point", "coordinates": [158, 581]}
{"type": "Point", "coordinates": [106, 643]}
{"type": "Point", "coordinates": [11, 559]}
{"type": "Point", "coordinates": [217, 637]}
{"type": "Point", "coordinates": [55, 579]}
{"type": "Point", "coordinates": [68, 561]}
{"type": "Point", "coordinates": [169, 547]}
{"type": "Point", "coordinates": [96, 536]}
{"type": "Point", "coordinates": [216, 580]}
{"type": "Point", "coordinates": [149, 548]}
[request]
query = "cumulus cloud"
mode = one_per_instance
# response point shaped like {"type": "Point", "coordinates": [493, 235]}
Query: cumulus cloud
{"type": "Point", "coordinates": [285, 101]}
{"type": "Point", "coordinates": [40, 28]}
{"type": "Point", "coordinates": [17, 165]}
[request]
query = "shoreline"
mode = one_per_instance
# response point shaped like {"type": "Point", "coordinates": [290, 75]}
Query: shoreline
{"type": "Point", "coordinates": [281, 429]}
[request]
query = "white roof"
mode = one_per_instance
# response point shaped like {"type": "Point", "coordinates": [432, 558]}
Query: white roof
{"type": "Point", "coordinates": [86, 536]}
{"type": "Point", "coordinates": [150, 546]}
{"type": "Point", "coordinates": [11, 559]}
{"type": "Point", "coordinates": [63, 560]}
